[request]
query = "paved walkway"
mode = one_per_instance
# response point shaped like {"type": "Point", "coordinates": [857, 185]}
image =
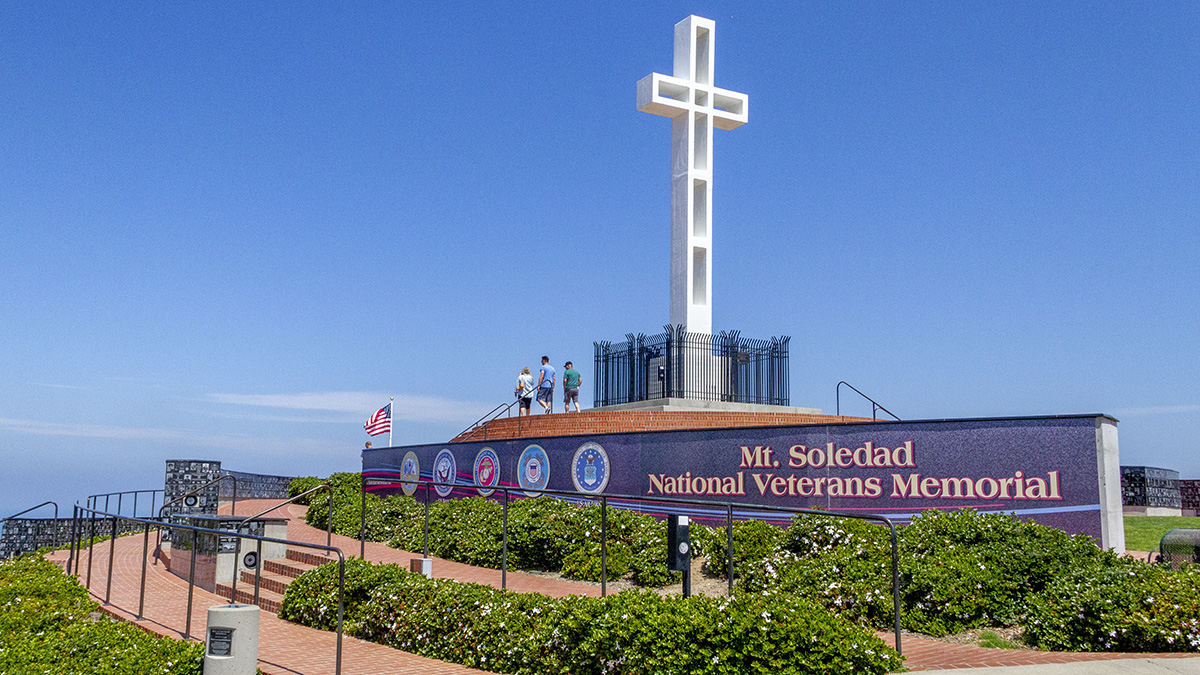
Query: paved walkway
{"type": "Point", "coordinates": [289, 649]}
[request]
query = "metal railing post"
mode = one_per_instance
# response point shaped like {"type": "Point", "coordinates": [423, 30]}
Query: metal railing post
{"type": "Point", "coordinates": [258, 568]}
{"type": "Point", "coordinates": [112, 553]}
{"type": "Point", "coordinates": [362, 521]}
{"type": "Point", "coordinates": [729, 534]}
{"type": "Point", "coordinates": [187, 631]}
{"type": "Point", "coordinates": [603, 547]}
{"type": "Point", "coordinates": [120, 496]}
{"type": "Point", "coordinates": [896, 586]}
{"type": "Point", "coordinates": [341, 606]}
{"type": "Point", "coordinates": [135, 496]}
{"type": "Point", "coordinates": [145, 554]}
{"type": "Point", "coordinates": [426, 521]}
{"type": "Point", "coordinates": [91, 543]}
{"type": "Point", "coordinates": [504, 550]}
{"type": "Point", "coordinates": [74, 524]}
{"type": "Point", "coordinates": [237, 555]}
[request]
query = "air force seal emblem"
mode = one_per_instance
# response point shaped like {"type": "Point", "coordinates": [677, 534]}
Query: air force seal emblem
{"type": "Point", "coordinates": [445, 470]}
{"type": "Point", "coordinates": [590, 468]}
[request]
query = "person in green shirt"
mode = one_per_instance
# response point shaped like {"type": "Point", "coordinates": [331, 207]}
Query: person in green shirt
{"type": "Point", "coordinates": [571, 381]}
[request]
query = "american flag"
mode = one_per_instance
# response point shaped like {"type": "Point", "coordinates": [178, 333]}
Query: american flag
{"type": "Point", "coordinates": [380, 422]}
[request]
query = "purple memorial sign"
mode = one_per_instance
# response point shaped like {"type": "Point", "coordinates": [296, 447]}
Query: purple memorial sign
{"type": "Point", "coordinates": [1055, 470]}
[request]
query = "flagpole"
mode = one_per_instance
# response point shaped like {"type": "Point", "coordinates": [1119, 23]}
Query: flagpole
{"type": "Point", "coordinates": [392, 403]}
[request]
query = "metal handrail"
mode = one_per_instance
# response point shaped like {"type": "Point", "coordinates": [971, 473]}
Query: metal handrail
{"type": "Point", "coordinates": [148, 522]}
{"type": "Point", "coordinates": [237, 547]}
{"type": "Point", "coordinates": [232, 508]}
{"type": "Point", "coordinates": [503, 408]}
{"type": "Point", "coordinates": [34, 508]}
{"type": "Point", "coordinates": [874, 406]}
{"type": "Point", "coordinates": [603, 498]}
{"type": "Point", "coordinates": [328, 525]}
{"type": "Point", "coordinates": [94, 500]}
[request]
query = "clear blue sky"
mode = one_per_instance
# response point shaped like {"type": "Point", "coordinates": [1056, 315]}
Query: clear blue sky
{"type": "Point", "coordinates": [232, 230]}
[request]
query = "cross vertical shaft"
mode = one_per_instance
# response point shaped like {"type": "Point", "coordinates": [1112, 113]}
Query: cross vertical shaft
{"type": "Point", "coordinates": [695, 107]}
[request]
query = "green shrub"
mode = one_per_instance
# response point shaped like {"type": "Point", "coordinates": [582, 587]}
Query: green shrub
{"type": "Point", "coordinates": [299, 486]}
{"type": "Point", "coordinates": [541, 532]}
{"type": "Point", "coordinates": [314, 600]}
{"type": "Point", "coordinates": [631, 632]}
{"type": "Point", "coordinates": [47, 626]}
{"type": "Point", "coordinates": [753, 542]}
{"type": "Point", "coordinates": [965, 569]}
{"type": "Point", "coordinates": [842, 564]}
{"type": "Point", "coordinates": [1118, 605]}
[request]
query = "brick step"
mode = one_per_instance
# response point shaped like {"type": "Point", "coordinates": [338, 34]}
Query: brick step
{"type": "Point", "coordinates": [268, 601]}
{"type": "Point", "coordinates": [286, 567]}
{"type": "Point", "coordinates": [309, 558]}
{"type": "Point", "coordinates": [276, 583]}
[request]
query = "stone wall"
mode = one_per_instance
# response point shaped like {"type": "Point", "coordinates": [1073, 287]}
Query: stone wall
{"type": "Point", "coordinates": [255, 486]}
{"type": "Point", "coordinates": [25, 535]}
{"type": "Point", "coordinates": [1189, 494]}
{"type": "Point", "coordinates": [1150, 486]}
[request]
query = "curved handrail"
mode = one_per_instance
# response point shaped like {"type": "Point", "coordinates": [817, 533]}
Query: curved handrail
{"type": "Point", "coordinates": [218, 479]}
{"type": "Point", "coordinates": [328, 521]}
{"type": "Point", "coordinates": [34, 508]}
{"type": "Point", "coordinates": [874, 405]}
{"type": "Point", "coordinates": [223, 533]}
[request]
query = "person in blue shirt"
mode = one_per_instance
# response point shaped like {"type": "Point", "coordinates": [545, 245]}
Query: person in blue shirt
{"type": "Point", "coordinates": [545, 395]}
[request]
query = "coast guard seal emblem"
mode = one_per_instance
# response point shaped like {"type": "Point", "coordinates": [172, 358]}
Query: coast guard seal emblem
{"type": "Point", "coordinates": [590, 468]}
{"type": "Point", "coordinates": [410, 473]}
{"type": "Point", "coordinates": [487, 471]}
{"type": "Point", "coordinates": [533, 470]}
{"type": "Point", "coordinates": [445, 470]}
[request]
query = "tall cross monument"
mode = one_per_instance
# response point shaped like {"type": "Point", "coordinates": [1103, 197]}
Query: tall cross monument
{"type": "Point", "coordinates": [695, 107]}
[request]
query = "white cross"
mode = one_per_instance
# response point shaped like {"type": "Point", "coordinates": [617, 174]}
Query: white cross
{"type": "Point", "coordinates": [695, 108]}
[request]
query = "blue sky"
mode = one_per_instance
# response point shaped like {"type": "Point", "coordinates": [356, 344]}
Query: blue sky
{"type": "Point", "coordinates": [231, 231]}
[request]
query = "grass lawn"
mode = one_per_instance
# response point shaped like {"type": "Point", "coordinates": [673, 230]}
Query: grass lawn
{"type": "Point", "coordinates": [1142, 533]}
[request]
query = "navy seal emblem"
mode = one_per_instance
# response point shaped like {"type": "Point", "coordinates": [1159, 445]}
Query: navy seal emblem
{"type": "Point", "coordinates": [445, 470]}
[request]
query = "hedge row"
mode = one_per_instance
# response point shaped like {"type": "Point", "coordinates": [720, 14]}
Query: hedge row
{"type": "Point", "coordinates": [958, 570]}
{"type": "Point", "coordinates": [631, 632]}
{"type": "Point", "coordinates": [544, 534]}
{"type": "Point", "coordinates": [49, 625]}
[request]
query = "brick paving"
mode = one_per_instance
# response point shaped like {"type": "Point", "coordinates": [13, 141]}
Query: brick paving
{"type": "Point", "coordinates": [289, 649]}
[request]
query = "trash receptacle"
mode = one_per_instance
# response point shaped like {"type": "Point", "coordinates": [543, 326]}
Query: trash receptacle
{"type": "Point", "coordinates": [232, 644]}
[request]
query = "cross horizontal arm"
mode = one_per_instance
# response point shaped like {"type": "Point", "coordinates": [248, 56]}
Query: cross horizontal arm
{"type": "Point", "coordinates": [669, 96]}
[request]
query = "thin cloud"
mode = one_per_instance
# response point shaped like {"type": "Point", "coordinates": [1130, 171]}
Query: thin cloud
{"type": "Point", "coordinates": [231, 442]}
{"type": "Point", "coordinates": [361, 404]}
{"type": "Point", "coordinates": [1158, 410]}
{"type": "Point", "coordinates": [58, 386]}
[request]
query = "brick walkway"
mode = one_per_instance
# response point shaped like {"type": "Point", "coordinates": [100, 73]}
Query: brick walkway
{"type": "Point", "coordinates": [289, 649]}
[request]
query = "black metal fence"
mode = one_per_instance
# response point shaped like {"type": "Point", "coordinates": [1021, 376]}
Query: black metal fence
{"type": "Point", "coordinates": [697, 366]}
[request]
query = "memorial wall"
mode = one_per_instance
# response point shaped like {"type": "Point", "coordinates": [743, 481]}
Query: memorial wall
{"type": "Point", "coordinates": [1062, 471]}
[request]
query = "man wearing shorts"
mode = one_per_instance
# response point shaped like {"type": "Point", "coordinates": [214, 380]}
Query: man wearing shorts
{"type": "Point", "coordinates": [545, 395]}
{"type": "Point", "coordinates": [571, 381]}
